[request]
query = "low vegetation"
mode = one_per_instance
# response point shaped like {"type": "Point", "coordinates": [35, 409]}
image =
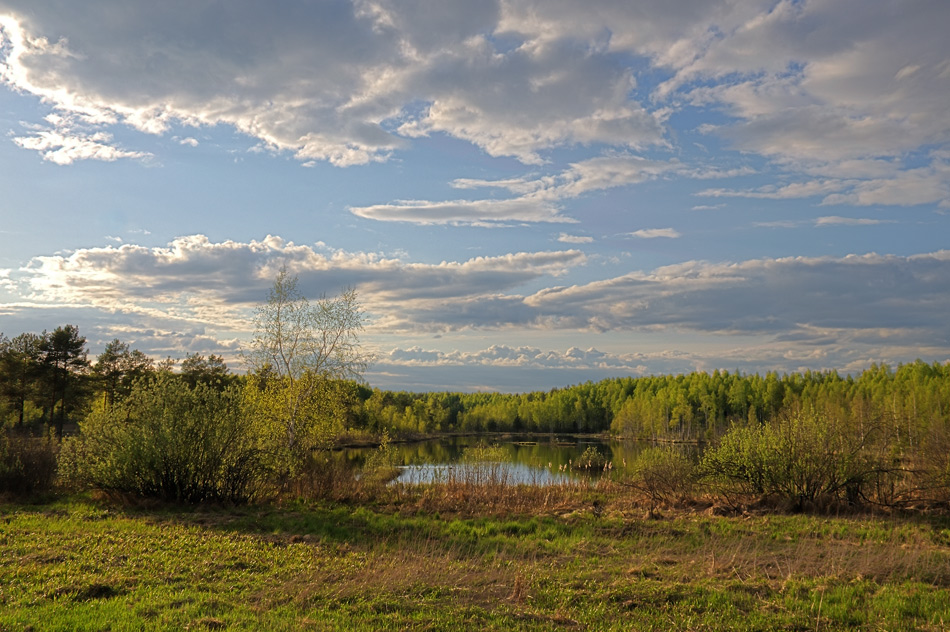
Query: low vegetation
{"type": "Point", "coordinates": [579, 558]}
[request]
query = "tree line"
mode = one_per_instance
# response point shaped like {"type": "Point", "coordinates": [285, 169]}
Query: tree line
{"type": "Point", "coordinates": [48, 378]}
{"type": "Point", "coordinates": [912, 398]}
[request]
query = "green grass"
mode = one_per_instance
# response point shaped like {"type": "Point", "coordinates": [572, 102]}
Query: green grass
{"type": "Point", "coordinates": [81, 564]}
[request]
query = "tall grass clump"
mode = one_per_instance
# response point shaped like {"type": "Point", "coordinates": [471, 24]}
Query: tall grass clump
{"type": "Point", "coordinates": [167, 440]}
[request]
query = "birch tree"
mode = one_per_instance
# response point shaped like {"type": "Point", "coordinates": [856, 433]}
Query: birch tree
{"type": "Point", "coordinates": [299, 362]}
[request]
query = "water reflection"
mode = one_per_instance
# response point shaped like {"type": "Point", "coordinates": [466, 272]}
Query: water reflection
{"type": "Point", "coordinates": [530, 459]}
{"type": "Point", "coordinates": [481, 474]}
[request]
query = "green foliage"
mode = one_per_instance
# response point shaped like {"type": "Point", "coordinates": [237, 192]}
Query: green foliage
{"type": "Point", "coordinates": [664, 474]}
{"type": "Point", "coordinates": [169, 441]}
{"type": "Point", "coordinates": [591, 459]}
{"type": "Point", "coordinates": [20, 374]}
{"type": "Point", "coordinates": [483, 452]}
{"type": "Point", "coordinates": [293, 421]}
{"type": "Point", "coordinates": [212, 371]}
{"type": "Point", "coordinates": [301, 360]}
{"type": "Point", "coordinates": [117, 368]}
{"type": "Point", "coordinates": [64, 365]}
{"type": "Point", "coordinates": [27, 464]}
{"type": "Point", "coordinates": [380, 466]}
{"type": "Point", "coordinates": [801, 457]}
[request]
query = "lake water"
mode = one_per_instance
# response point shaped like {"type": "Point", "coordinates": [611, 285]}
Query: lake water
{"type": "Point", "coordinates": [541, 460]}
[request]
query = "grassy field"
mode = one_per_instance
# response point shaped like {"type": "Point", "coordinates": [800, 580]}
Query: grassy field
{"type": "Point", "coordinates": [84, 564]}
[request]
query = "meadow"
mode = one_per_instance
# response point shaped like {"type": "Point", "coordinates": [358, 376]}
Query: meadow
{"type": "Point", "coordinates": [452, 556]}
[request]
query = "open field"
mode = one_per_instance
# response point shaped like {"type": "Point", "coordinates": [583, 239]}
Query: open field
{"type": "Point", "coordinates": [84, 564]}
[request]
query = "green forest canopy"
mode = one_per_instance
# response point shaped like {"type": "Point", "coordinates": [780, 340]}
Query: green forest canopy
{"type": "Point", "coordinates": [43, 381]}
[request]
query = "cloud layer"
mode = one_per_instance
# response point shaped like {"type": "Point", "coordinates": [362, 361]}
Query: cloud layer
{"type": "Point", "coordinates": [826, 309]}
{"type": "Point", "coordinates": [352, 82]}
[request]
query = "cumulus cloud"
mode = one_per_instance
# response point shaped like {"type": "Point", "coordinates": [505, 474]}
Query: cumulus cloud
{"type": "Point", "coordinates": [65, 145]}
{"type": "Point", "coordinates": [911, 187]}
{"type": "Point", "coordinates": [213, 283]}
{"type": "Point", "coordinates": [869, 293]}
{"type": "Point", "coordinates": [337, 81]}
{"type": "Point", "coordinates": [196, 278]}
{"type": "Point", "coordinates": [836, 88]}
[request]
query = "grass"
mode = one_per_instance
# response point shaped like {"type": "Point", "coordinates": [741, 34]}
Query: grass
{"type": "Point", "coordinates": [416, 561]}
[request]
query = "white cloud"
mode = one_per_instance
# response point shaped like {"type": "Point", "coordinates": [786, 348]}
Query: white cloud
{"type": "Point", "coordinates": [848, 221]}
{"type": "Point", "coordinates": [818, 83]}
{"type": "Point", "coordinates": [212, 284]}
{"type": "Point", "coordinates": [65, 146]}
{"type": "Point", "coordinates": [536, 198]}
{"type": "Point", "coordinates": [574, 239]}
{"type": "Point", "coordinates": [522, 356]}
{"type": "Point", "coordinates": [328, 81]}
{"type": "Point", "coordinates": [653, 233]}
{"type": "Point", "coordinates": [478, 212]}
{"type": "Point", "coordinates": [835, 91]}
{"type": "Point", "coordinates": [789, 191]}
{"type": "Point", "coordinates": [924, 185]}
{"type": "Point", "coordinates": [851, 295]}
{"type": "Point", "coordinates": [762, 313]}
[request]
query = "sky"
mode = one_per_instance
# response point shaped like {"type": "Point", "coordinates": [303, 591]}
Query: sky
{"type": "Point", "coordinates": [525, 194]}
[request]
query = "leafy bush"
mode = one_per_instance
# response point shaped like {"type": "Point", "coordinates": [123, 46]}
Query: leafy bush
{"type": "Point", "coordinates": [664, 474]}
{"type": "Point", "coordinates": [27, 464]}
{"type": "Point", "coordinates": [380, 466]}
{"type": "Point", "coordinates": [167, 440]}
{"type": "Point", "coordinates": [591, 459]}
{"type": "Point", "coordinates": [800, 458]}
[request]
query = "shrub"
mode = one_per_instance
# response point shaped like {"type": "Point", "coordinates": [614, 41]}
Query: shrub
{"type": "Point", "coordinates": [801, 458]}
{"type": "Point", "coordinates": [380, 466]}
{"type": "Point", "coordinates": [664, 474]}
{"type": "Point", "coordinates": [27, 464]}
{"type": "Point", "coordinates": [170, 441]}
{"type": "Point", "coordinates": [592, 459]}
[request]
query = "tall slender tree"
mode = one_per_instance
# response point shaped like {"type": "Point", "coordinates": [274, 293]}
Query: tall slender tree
{"type": "Point", "coordinates": [65, 363]}
{"type": "Point", "coordinates": [300, 360]}
{"type": "Point", "coordinates": [20, 367]}
{"type": "Point", "coordinates": [117, 368]}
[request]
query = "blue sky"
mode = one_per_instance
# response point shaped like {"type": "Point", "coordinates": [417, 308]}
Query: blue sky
{"type": "Point", "coordinates": [524, 194]}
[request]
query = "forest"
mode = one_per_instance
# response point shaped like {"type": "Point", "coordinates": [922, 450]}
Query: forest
{"type": "Point", "coordinates": [48, 380]}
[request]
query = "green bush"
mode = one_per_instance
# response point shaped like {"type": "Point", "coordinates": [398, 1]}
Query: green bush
{"type": "Point", "coordinates": [170, 441]}
{"type": "Point", "coordinates": [801, 458]}
{"type": "Point", "coordinates": [664, 474]}
{"type": "Point", "coordinates": [27, 464]}
{"type": "Point", "coordinates": [380, 466]}
{"type": "Point", "coordinates": [592, 459]}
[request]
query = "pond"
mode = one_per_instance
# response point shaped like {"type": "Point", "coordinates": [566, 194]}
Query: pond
{"type": "Point", "coordinates": [533, 459]}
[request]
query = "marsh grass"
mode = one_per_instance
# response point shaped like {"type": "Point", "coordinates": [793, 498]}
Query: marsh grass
{"type": "Point", "coordinates": [82, 564]}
